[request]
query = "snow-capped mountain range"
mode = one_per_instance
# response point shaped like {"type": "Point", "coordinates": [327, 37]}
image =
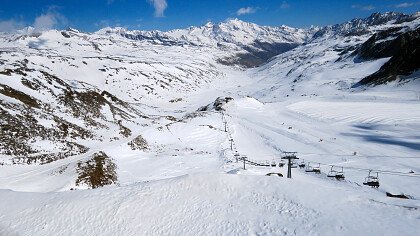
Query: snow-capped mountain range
{"type": "Point", "coordinates": [233, 31]}
{"type": "Point", "coordinates": [82, 110]}
{"type": "Point", "coordinates": [131, 70]}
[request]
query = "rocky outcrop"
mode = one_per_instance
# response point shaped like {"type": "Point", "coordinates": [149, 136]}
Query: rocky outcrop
{"type": "Point", "coordinates": [405, 52]}
{"type": "Point", "coordinates": [139, 143]}
{"type": "Point", "coordinates": [47, 119]}
{"type": "Point", "coordinates": [97, 172]}
{"type": "Point", "coordinates": [217, 105]}
{"type": "Point", "coordinates": [380, 45]}
{"type": "Point", "coordinates": [257, 54]}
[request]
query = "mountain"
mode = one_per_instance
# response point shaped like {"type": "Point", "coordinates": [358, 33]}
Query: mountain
{"type": "Point", "coordinates": [250, 44]}
{"type": "Point", "coordinates": [403, 50]}
{"type": "Point", "coordinates": [338, 57]}
{"type": "Point", "coordinates": [67, 95]}
{"type": "Point", "coordinates": [361, 26]}
{"type": "Point", "coordinates": [158, 128]}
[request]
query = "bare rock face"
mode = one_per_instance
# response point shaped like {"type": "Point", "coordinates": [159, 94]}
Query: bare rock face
{"type": "Point", "coordinates": [220, 102]}
{"type": "Point", "coordinates": [66, 117]}
{"type": "Point", "coordinates": [97, 172]}
{"type": "Point", "coordinates": [405, 52]}
{"type": "Point", "coordinates": [139, 143]}
{"type": "Point", "coordinates": [257, 54]}
{"type": "Point", "coordinates": [217, 105]}
{"type": "Point", "coordinates": [379, 45]}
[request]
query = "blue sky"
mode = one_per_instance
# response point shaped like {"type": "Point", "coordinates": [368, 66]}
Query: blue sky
{"type": "Point", "coordinates": [91, 15]}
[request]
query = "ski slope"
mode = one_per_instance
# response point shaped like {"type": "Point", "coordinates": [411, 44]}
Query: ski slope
{"type": "Point", "coordinates": [188, 181]}
{"type": "Point", "coordinates": [211, 204]}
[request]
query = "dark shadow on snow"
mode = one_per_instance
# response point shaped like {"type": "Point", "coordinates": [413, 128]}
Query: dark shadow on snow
{"type": "Point", "coordinates": [365, 131]}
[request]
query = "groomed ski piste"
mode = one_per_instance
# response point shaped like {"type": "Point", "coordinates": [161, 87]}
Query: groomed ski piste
{"type": "Point", "coordinates": [194, 185]}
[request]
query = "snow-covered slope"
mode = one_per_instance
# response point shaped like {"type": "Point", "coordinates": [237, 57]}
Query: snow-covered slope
{"type": "Point", "coordinates": [239, 33]}
{"type": "Point", "coordinates": [211, 204]}
{"type": "Point", "coordinates": [162, 115]}
{"type": "Point", "coordinates": [339, 59]}
{"type": "Point", "coordinates": [232, 31]}
{"type": "Point", "coordinates": [243, 43]}
{"type": "Point", "coordinates": [375, 22]}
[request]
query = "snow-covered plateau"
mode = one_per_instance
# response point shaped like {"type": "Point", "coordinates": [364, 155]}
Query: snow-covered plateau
{"type": "Point", "coordinates": [121, 132]}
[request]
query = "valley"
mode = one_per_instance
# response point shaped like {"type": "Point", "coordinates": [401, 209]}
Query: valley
{"type": "Point", "coordinates": [171, 109]}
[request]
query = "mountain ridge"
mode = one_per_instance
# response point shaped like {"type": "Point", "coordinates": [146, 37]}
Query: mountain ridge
{"type": "Point", "coordinates": [115, 86]}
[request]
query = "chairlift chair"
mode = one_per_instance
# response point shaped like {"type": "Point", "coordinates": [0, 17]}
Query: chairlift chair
{"type": "Point", "coordinates": [372, 180]}
{"type": "Point", "coordinates": [273, 164]}
{"type": "Point", "coordinates": [317, 169]}
{"type": "Point", "coordinates": [281, 163]}
{"type": "Point", "coordinates": [340, 174]}
{"type": "Point", "coordinates": [302, 164]}
{"type": "Point", "coordinates": [236, 155]}
{"type": "Point", "coordinates": [332, 173]}
{"type": "Point", "coordinates": [309, 168]}
{"type": "Point", "coordinates": [294, 164]}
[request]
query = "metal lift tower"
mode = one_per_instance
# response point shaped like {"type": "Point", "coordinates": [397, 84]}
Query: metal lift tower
{"type": "Point", "coordinates": [289, 156]}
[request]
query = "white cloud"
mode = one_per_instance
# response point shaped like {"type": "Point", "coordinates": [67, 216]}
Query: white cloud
{"type": "Point", "coordinates": [246, 10]}
{"type": "Point", "coordinates": [11, 25]}
{"type": "Point", "coordinates": [404, 5]}
{"type": "Point", "coordinates": [160, 7]}
{"type": "Point", "coordinates": [48, 20]}
{"type": "Point", "coordinates": [102, 23]}
{"type": "Point", "coordinates": [108, 23]}
{"type": "Point", "coordinates": [284, 5]}
{"type": "Point", "coordinates": [45, 21]}
{"type": "Point", "coordinates": [363, 7]}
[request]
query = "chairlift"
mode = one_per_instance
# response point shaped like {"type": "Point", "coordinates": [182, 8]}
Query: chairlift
{"type": "Point", "coordinates": [339, 175]}
{"type": "Point", "coordinates": [294, 165]}
{"type": "Point", "coordinates": [372, 180]}
{"type": "Point", "coordinates": [332, 173]}
{"type": "Point", "coordinates": [302, 164]}
{"type": "Point", "coordinates": [273, 164]}
{"type": "Point", "coordinates": [309, 168]}
{"type": "Point", "coordinates": [317, 169]}
{"type": "Point", "coordinates": [281, 163]}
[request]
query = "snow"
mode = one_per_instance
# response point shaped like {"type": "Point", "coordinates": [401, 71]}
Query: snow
{"type": "Point", "coordinates": [212, 204]}
{"type": "Point", "coordinates": [188, 181]}
{"type": "Point", "coordinates": [181, 186]}
{"type": "Point", "coordinates": [391, 113]}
